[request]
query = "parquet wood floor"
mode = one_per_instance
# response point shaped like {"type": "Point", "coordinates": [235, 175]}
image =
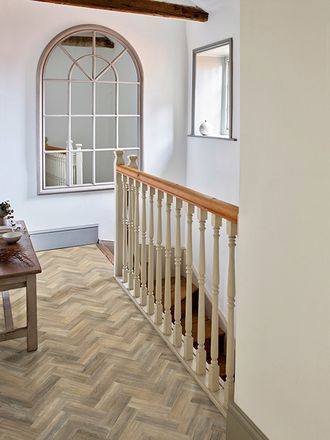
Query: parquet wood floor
{"type": "Point", "coordinates": [100, 371]}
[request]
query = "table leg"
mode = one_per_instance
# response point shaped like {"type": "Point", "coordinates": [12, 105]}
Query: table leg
{"type": "Point", "coordinates": [31, 313]}
{"type": "Point", "coordinates": [9, 323]}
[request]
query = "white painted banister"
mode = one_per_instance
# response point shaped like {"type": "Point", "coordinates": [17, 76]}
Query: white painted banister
{"type": "Point", "coordinates": [124, 228]}
{"type": "Point", "coordinates": [214, 366]}
{"type": "Point", "coordinates": [77, 165]}
{"type": "Point", "coordinates": [131, 202]}
{"type": "Point", "coordinates": [144, 290]}
{"type": "Point", "coordinates": [139, 268]}
{"type": "Point", "coordinates": [188, 339]}
{"type": "Point", "coordinates": [177, 331]}
{"type": "Point", "coordinates": [201, 352]}
{"type": "Point", "coordinates": [167, 325]}
{"type": "Point", "coordinates": [119, 160]}
{"type": "Point", "coordinates": [151, 255]}
{"type": "Point", "coordinates": [231, 293]}
{"type": "Point", "coordinates": [137, 284]}
{"type": "Point", "coordinates": [56, 169]}
{"type": "Point", "coordinates": [159, 278]}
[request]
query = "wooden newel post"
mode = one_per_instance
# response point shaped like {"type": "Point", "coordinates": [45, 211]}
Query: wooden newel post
{"type": "Point", "coordinates": [231, 292]}
{"type": "Point", "coordinates": [119, 160]}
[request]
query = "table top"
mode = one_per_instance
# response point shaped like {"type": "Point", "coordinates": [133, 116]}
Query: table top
{"type": "Point", "coordinates": [19, 258]}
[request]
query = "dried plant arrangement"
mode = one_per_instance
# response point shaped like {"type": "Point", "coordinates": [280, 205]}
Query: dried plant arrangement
{"type": "Point", "coordinates": [10, 254]}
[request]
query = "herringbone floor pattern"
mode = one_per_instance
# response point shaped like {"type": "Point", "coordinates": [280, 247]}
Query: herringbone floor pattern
{"type": "Point", "coordinates": [100, 371]}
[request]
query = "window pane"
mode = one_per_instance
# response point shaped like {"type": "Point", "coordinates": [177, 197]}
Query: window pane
{"type": "Point", "coordinates": [107, 47]}
{"type": "Point", "coordinates": [83, 70]}
{"type": "Point", "coordinates": [56, 97]}
{"type": "Point", "coordinates": [105, 133]}
{"type": "Point", "coordinates": [126, 68]}
{"type": "Point", "coordinates": [82, 132]}
{"type": "Point", "coordinates": [106, 75]}
{"type": "Point", "coordinates": [128, 99]}
{"type": "Point", "coordinates": [56, 132]}
{"type": "Point", "coordinates": [104, 163]}
{"type": "Point", "coordinates": [82, 98]}
{"type": "Point", "coordinates": [82, 167]}
{"type": "Point", "coordinates": [105, 99]}
{"type": "Point", "coordinates": [129, 132]}
{"type": "Point", "coordinates": [79, 44]}
{"type": "Point", "coordinates": [55, 169]}
{"type": "Point", "coordinates": [58, 65]}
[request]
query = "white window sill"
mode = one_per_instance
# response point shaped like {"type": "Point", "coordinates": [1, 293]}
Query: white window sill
{"type": "Point", "coordinates": [223, 138]}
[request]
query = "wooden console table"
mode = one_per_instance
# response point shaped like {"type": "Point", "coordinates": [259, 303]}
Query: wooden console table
{"type": "Point", "coordinates": [19, 267]}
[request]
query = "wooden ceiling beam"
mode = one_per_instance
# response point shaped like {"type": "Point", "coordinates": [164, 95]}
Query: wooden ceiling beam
{"type": "Point", "coordinates": [147, 7]}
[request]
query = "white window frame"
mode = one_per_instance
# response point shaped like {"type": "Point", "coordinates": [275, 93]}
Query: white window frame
{"type": "Point", "coordinates": [226, 123]}
{"type": "Point", "coordinates": [94, 186]}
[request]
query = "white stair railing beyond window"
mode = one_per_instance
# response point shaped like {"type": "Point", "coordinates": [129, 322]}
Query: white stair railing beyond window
{"type": "Point", "coordinates": [57, 163]}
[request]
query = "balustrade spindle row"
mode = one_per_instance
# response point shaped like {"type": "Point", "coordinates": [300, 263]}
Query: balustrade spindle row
{"type": "Point", "coordinates": [139, 264]}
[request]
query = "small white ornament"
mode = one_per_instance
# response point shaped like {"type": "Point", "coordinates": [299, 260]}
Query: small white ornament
{"type": "Point", "coordinates": [205, 128]}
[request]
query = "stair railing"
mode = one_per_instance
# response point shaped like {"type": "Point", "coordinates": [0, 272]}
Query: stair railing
{"type": "Point", "coordinates": [139, 267]}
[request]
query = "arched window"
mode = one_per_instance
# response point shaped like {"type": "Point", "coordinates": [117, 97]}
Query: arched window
{"type": "Point", "coordinates": [90, 104]}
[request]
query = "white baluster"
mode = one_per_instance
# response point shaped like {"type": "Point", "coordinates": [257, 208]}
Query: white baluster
{"type": "Point", "coordinates": [167, 325]}
{"type": "Point", "coordinates": [214, 366]}
{"type": "Point", "coordinates": [177, 331]}
{"type": "Point", "coordinates": [144, 247]}
{"type": "Point", "coordinates": [119, 160]}
{"type": "Point", "coordinates": [79, 164]}
{"type": "Point", "coordinates": [159, 278]}
{"type": "Point", "coordinates": [137, 284]}
{"type": "Point", "coordinates": [201, 353]}
{"type": "Point", "coordinates": [125, 226]}
{"type": "Point", "coordinates": [188, 339]}
{"type": "Point", "coordinates": [231, 292]}
{"type": "Point", "coordinates": [131, 199]}
{"type": "Point", "coordinates": [151, 287]}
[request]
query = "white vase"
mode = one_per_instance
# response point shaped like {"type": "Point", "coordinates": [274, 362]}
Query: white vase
{"type": "Point", "coordinates": [205, 129]}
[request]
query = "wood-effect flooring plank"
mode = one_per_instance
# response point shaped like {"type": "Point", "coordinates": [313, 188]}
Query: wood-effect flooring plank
{"type": "Point", "coordinates": [100, 371]}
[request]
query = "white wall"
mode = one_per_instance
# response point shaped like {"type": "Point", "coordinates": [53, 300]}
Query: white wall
{"type": "Point", "coordinates": [213, 164]}
{"type": "Point", "coordinates": [283, 313]}
{"type": "Point", "coordinates": [26, 27]}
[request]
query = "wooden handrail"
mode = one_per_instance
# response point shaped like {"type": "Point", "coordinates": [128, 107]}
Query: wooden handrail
{"type": "Point", "coordinates": [52, 148]}
{"type": "Point", "coordinates": [210, 204]}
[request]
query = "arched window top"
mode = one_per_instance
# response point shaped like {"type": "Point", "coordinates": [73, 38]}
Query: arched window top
{"type": "Point", "coordinates": [90, 105]}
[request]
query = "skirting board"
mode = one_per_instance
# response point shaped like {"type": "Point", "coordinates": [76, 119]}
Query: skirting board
{"type": "Point", "coordinates": [240, 427]}
{"type": "Point", "coordinates": [64, 237]}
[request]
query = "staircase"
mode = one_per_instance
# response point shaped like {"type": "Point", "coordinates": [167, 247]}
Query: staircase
{"type": "Point", "coordinates": [208, 324]}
